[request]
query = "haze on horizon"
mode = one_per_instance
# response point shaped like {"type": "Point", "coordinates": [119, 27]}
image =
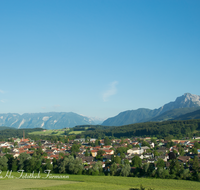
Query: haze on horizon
{"type": "Point", "coordinates": [97, 58]}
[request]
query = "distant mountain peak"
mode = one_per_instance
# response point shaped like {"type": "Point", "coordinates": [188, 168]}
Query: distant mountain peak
{"type": "Point", "coordinates": [187, 100]}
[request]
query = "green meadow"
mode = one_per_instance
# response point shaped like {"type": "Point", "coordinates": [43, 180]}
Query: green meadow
{"type": "Point", "coordinates": [49, 132]}
{"type": "Point", "coordinates": [85, 182]}
{"type": "Point", "coordinates": [75, 132]}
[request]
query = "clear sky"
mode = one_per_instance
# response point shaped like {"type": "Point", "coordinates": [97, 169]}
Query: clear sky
{"type": "Point", "coordinates": [97, 57]}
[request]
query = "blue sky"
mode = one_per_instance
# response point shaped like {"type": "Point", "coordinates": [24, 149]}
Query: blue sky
{"type": "Point", "coordinates": [97, 57]}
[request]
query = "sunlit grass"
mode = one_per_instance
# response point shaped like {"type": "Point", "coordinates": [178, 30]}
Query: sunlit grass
{"type": "Point", "coordinates": [49, 132]}
{"type": "Point", "coordinates": [87, 182]}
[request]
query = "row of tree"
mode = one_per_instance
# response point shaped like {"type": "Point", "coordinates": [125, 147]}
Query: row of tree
{"type": "Point", "coordinates": [117, 167]}
{"type": "Point", "coordinates": [177, 129]}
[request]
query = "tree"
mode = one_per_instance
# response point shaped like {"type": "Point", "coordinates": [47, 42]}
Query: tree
{"type": "Point", "coordinates": [181, 151]}
{"type": "Point", "coordinates": [97, 168]}
{"type": "Point", "coordinates": [146, 167]}
{"type": "Point", "coordinates": [39, 151]}
{"type": "Point", "coordinates": [196, 145]}
{"type": "Point", "coordinates": [10, 160]}
{"type": "Point", "coordinates": [70, 165]}
{"type": "Point", "coordinates": [170, 144]}
{"type": "Point", "coordinates": [174, 167]}
{"type": "Point", "coordinates": [48, 165]}
{"type": "Point", "coordinates": [15, 144]}
{"type": "Point", "coordinates": [125, 170]}
{"type": "Point", "coordinates": [172, 156]}
{"type": "Point", "coordinates": [75, 148]}
{"type": "Point", "coordinates": [22, 158]}
{"type": "Point", "coordinates": [121, 150]}
{"type": "Point", "coordinates": [86, 153]}
{"type": "Point", "coordinates": [113, 169]}
{"type": "Point", "coordinates": [194, 151]}
{"type": "Point", "coordinates": [185, 173]}
{"type": "Point", "coordinates": [136, 161]}
{"type": "Point", "coordinates": [39, 143]}
{"type": "Point", "coordinates": [14, 165]}
{"type": "Point", "coordinates": [126, 161]}
{"type": "Point", "coordinates": [117, 160]}
{"type": "Point", "coordinates": [155, 152]}
{"type": "Point", "coordinates": [29, 165]}
{"type": "Point", "coordinates": [195, 164]}
{"type": "Point", "coordinates": [100, 155]}
{"type": "Point", "coordinates": [76, 166]}
{"type": "Point", "coordinates": [154, 141]}
{"type": "Point", "coordinates": [97, 143]}
{"type": "Point", "coordinates": [107, 141]}
{"type": "Point", "coordinates": [162, 173]}
{"type": "Point", "coordinates": [122, 156]}
{"type": "Point", "coordinates": [144, 143]}
{"type": "Point", "coordinates": [3, 163]}
{"type": "Point", "coordinates": [160, 163]}
{"type": "Point", "coordinates": [64, 163]}
{"type": "Point", "coordinates": [129, 146]}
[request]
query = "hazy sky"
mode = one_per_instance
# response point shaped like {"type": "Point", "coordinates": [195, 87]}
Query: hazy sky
{"type": "Point", "coordinates": [97, 57]}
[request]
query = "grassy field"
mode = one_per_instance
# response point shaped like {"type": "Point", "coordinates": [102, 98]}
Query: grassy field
{"type": "Point", "coordinates": [18, 184]}
{"type": "Point", "coordinates": [75, 132]}
{"type": "Point", "coordinates": [49, 132]}
{"type": "Point", "coordinates": [76, 182]}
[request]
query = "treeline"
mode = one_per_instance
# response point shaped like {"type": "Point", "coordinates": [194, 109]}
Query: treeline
{"type": "Point", "coordinates": [15, 133]}
{"type": "Point", "coordinates": [178, 129]}
{"type": "Point", "coordinates": [90, 127]}
{"type": "Point", "coordinates": [71, 165]}
{"type": "Point", "coordinates": [52, 138]}
{"type": "Point", "coordinates": [7, 134]}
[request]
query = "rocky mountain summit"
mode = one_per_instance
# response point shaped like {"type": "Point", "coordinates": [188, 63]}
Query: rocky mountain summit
{"type": "Point", "coordinates": [142, 114]}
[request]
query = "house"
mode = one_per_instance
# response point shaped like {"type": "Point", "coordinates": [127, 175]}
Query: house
{"type": "Point", "coordinates": [162, 150]}
{"type": "Point", "coordinates": [145, 148]}
{"type": "Point", "coordinates": [107, 157]}
{"type": "Point", "coordinates": [134, 143]}
{"type": "Point", "coordinates": [148, 155]}
{"type": "Point", "coordinates": [16, 140]}
{"type": "Point", "coordinates": [87, 159]}
{"type": "Point", "coordinates": [135, 151]}
{"type": "Point", "coordinates": [4, 144]}
{"type": "Point", "coordinates": [183, 159]}
{"type": "Point", "coordinates": [48, 145]}
{"type": "Point", "coordinates": [93, 140]}
{"type": "Point", "coordinates": [109, 152]}
{"type": "Point", "coordinates": [107, 147]}
{"type": "Point", "coordinates": [80, 140]}
{"type": "Point", "coordinates": [164, 158]}
{"type": "Point", "coordinates": [151, 160]}
{"type": "Point", "coordinates": [24, 140]}
{"type": "Point", "coordinates": [94, 153]}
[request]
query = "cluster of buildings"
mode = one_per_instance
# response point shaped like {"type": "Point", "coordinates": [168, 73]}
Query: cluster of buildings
{"type": "Point", "coordinates": [133, 146]}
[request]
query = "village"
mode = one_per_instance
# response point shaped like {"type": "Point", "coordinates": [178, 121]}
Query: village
{"type": "Point", "coordinates": [107, 151]}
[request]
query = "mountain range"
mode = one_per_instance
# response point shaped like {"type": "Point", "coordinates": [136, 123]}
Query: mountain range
{"type": "Point", "coordinates": [51, 120]}
{"type": "Point", "coordinates": [182, 105]}
{"type": "Point", "coordinates": [186, 106]}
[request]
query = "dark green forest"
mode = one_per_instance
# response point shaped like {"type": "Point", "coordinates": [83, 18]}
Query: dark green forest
{"type": "Point", "coordinates": [8, 132]}
{"type": "Point", "coordinates": [178, 129]}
